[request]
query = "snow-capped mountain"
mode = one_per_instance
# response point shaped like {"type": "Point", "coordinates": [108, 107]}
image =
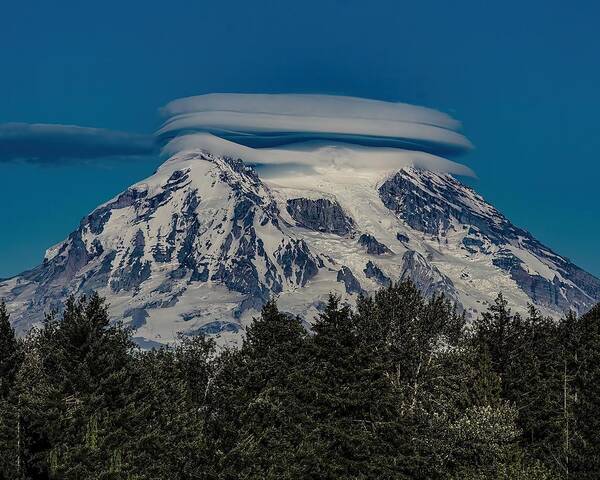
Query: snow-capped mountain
{"type": "Point", "coordinates": [204, 242]}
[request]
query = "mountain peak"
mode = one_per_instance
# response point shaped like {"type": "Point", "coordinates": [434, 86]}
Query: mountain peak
{"type": "Point", "coordinates": [201, 245]}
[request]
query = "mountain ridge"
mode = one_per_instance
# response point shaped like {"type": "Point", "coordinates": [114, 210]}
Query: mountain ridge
{"type": "Point", "coordinates": [200, 245]}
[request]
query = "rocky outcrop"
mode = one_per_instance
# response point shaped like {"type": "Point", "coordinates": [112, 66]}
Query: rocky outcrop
{"type": "Point", "coordinates": [297, 262]}
{"type": "Point", "coordinates": [130, 275]}
{"type": "Point", "coordinates": [214, 328]}
{"type": "Point", "coordinates": [201, 245]}
{"type": "Point", "coordinates": [372, 246]}
{"type": "Point", "coordinates": [472, 245]}
{"type": "Point", "coordinates": [428, 279]}
{"type": "Point", "coordinates": [429, 202]}
{"type": "Point", "coordinates": [402, 238]}
{"type": "Point", "coordinates": [373, 271]}
{"type": "Point", "coordinates": [542, 291]}
{"type": "Point", "coordinates": [98, 218]}
{"type": "Point", "coordinates": [434, 203]}
{"type": "Point", "coordinates": [350, 282]}
{"type": "Point", "coordinates": [321, 215]}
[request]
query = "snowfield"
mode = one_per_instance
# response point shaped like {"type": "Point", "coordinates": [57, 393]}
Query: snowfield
{"type": "Point", "coordinates": [200, 245]}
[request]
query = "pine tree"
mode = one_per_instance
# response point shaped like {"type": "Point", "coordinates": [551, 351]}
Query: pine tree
{"type": "Point", "coordinates": [10, 362]}
{"type": "Point", "coordinates": [535, 384]}
{"type": "Point", "coordinates": [582, 395]}
{"type": "Point", "coordinates": [499, 330]}
{"type": "Point", "coordinates": [162, 436]}
{"type": "Point", "coordinates": [256, 409]}
{"type": "Point", "coordinates": [194, 360]}
{"type": "Point", "coordinates": [531, 359]}
{"type": "Point", "coordinates": [9, 352]}
{"type": "Point", "coordinates": [359, 431]}
{"type": "Point", "coordinates": [73, 385]}
{"type": "Point", "coordinates": [397, 389]}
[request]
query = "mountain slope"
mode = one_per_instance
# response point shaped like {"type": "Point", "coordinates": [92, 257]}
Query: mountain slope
{"type": "Point", "coordinates": [203, 243]}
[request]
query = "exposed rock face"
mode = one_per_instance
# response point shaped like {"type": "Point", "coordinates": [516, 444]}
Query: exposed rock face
{"type": "Point", "coordinates": [373, 246]}
{"type": "Point", "coordinates": [134, 270]}
{"type": "Point", "coordinates": [373, 271]}
{"type": "Point", "coordinates": [436, 203]}
{"type": "Point", "coordinates": [99, 217]}
{"type": "Point", "coordinates": [321, 215]}
{"type": "Point", "coordinates": [402, 238]}
{"type": "Point", "coordinates": [350, 282]}
{"type": "Point", "coordinates": [202, 222]}
{"type": "Point", "coordinates": [297, 262]}
{"type": "Point", "coordinates": [198, 247]}
{"type": "Point", "coordinates": [428, 202]}
{"type": "Point", "coordinates": [214, 328]}
{"type": "Point", "coordinates": [541, 290]}
{"type": "Point", "coordinates": [473, 244]}
{"type": "Point", "coordinates": [426, 276]}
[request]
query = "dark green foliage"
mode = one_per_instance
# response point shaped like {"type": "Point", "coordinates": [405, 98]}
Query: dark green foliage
{"type": "Point", "coordinates": [582, 444]}
{"type": "Point", "coordinates": [90, 405]}
{"type": "Point", "coordinates": [10, 355]}
{"type": "Point", "coordinates": [357, 430]}
{"type": "Point", "coordinates": [399, 388]}
{"type": "Point", "coordinates": [10, 362]}
{"type": "Point", "coordinates": [74, 384]}
{"type": "Point", "coordinates": [256, 416]}
{"type": "Point", "coordinates": [165, 417]}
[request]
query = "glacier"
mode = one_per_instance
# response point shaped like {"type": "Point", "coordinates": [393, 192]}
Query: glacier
{"type": "Point", "coordinates": [201, 245]}
{"type": "Point", "coordinates": [345, 196]}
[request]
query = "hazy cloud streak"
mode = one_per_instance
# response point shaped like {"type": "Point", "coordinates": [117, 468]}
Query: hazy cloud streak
{"type": "Point", "coordinates": [51, 143]}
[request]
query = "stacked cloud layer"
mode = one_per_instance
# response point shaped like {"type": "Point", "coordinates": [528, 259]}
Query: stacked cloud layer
{"type": "Point", "coordinates": [271, 120]}
{"type": "Point", "coordinates": [308, 131]}
{"type": "Point", "coordinates": [312, 130]}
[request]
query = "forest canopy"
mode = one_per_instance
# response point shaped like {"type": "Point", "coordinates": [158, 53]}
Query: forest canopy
{"type": "Point", "coordinates": [400, 387]}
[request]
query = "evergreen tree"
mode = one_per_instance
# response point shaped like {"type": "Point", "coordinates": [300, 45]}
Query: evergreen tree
{"type": "Point", "coordinates": [397, 389]}
{"type": "Point", "coordinates": [10, 361]}
{"type": "Point", "coordinates": [498, 331]}
{"type": "Point", "coordinates": [74, 383]}
{"type": "Point", "coordinates": [9, 352]}
{"type": "Point", "coordinates": [194, 361]}
{"type": "Point", "coordinates": [359, 432]}
{"type": "Point", "coordinates": [161, 426]}
{"type": "Point", "coordinates": [257, 418]}
{"type": "Point", "coordinates": [581, 425]}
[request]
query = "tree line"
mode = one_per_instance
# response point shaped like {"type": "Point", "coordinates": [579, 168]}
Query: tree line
{"type": "Point", "coordinates": [400, 387]}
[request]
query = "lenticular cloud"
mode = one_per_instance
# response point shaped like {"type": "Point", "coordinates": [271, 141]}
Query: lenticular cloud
{"type": "Point", "coordinates": [261, 121]}
{"type": "Point", "coordinates": [314, 131]}
{"type": "Point", "coordinates": [312, 155]}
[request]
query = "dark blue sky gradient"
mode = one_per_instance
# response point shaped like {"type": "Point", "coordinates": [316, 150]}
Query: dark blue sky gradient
{"type": "Point", "coordinates": [522, 76]}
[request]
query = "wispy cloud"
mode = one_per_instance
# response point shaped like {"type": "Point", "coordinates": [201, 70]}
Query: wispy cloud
{"type": "Point", "coordinates": [272, 120]}
{"type": "Point", "coordinates": [48, 143]}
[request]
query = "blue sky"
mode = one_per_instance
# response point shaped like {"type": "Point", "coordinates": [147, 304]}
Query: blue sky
{"type": "Point", "coordinates": [522, 77]}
